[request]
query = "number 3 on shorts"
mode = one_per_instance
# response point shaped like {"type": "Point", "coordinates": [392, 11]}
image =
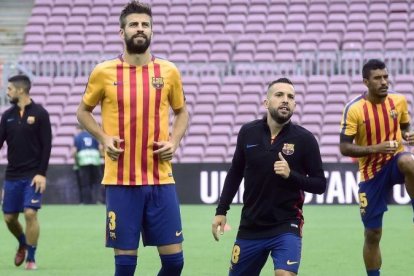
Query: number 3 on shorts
{"type": "Point", "coordinates": [235, 254]}
{"type": "Point", "coordinates": [111, 220]}
{"type": "Point", "coordinates": [363, 201]}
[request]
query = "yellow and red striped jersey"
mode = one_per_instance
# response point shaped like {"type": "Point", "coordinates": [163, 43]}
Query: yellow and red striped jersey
{"type": "Point", "coordinates": [373, 124]}
{"type": "Point", "coordinates": [135, 105]}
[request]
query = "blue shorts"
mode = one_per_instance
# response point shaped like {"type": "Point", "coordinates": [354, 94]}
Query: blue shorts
{"type": "Point", "coordinates": [18, 195]}
{"type": "Point", "coordinates": [151, 211]}
{"type": "Point", "coordinates": [249, 256]}
{"type": "Point", "coordinates": [374, 193]}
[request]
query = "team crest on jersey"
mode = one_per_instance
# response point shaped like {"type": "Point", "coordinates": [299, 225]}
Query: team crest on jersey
{"type": "Point", "coordinates": [158, 83]}
{"type": "Point", "coordinates": [31, 120]}
{"type": "Point", "coordinates": [393, 113]}
{"type": "Point", "coordinates": [288, 149]}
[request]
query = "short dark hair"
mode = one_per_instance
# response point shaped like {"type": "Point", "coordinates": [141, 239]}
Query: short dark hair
{"type": "Point", "coordinates": [372, 64]}
{"type": "Point", "coordinates": [132, 7]}
{"type": "Point", "coordinates": [21, 81]}
{"type": "Point", "coordinates": [280, 80]}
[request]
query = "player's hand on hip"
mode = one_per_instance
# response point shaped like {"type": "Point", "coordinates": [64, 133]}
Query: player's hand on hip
{"type": "Point", "coordinates": [164, 149]}
{"type": "Point", "coordinates": [281, 167]}
{"type": "Point", "coordinates": [409, 137]}
{"type": "Point", "coordinates": [39, 181]}
{"type": "Point", "coordinates": [112, 146]}
{"type": "Point", "coordinates": [218, 226]}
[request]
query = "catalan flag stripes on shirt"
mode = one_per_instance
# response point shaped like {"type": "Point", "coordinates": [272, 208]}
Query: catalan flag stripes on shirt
{"type": "Point", "coordinates": [373, 124]}
{"type": "Point", "coordinates": [135, 105]}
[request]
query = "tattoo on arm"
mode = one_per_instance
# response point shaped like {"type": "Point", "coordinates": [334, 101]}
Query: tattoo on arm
{"type": "Point", "coordinates": [348, 148]}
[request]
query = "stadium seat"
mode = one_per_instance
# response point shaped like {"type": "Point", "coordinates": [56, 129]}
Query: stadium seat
{"type": "Point", "coordinates": [53, 48]}
{"type": "Point", "coordinates": [399, 7]}
{"type": "Point", "coordinates": [338, 89]}
{"type": "Point", "coordinates": [374, 46]}
{"type": "Point", "coordinates": [43, 11]}
{"type": "Point", "coordinates": [220, 131]}
{"type": "Point", "coordinates": [215, 154]}
{"type": "Point", "coordinates": [215, 27]}
{"type": "Point", "coordinates": [37, 20]}
{"type": "Point", "coordinates": [359, 8]}
{"type": "Point", "coordinates": [376, 26]}
{"type": "Point", "coordinates": [81, 11]}
{"type": "Point", "coordinates": [47, 3]}
{"type": "Point", "coordinates": [378, 7]}
{"type": "Point", "coordinates": [329, 153]}
{"type": "Point", "coordinates": [35, 38]}
{"type": "Point", "coordinates": [339, 79]}
{"type": "Point", "coordinates": [86, 3]}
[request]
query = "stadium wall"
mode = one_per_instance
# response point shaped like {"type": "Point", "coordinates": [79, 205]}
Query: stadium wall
{"type": "Point", "coordinates": [201, 183]}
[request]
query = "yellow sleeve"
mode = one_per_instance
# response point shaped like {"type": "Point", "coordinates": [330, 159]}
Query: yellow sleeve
{"type": "Point", "coordinates": [405, 116]}
{"type": "Point", "coordinates": [349, 123]}
{"type": "Point", "coordinates": [94, 91]}
{"type": "Point", "coordinates": [176, 95]}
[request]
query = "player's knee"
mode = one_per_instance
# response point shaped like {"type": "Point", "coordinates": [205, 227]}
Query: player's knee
{"type": "Point", "coordinates": [10, 218]}
{"type": "Point", "coordinates": [373, 236]}
{"type": "Point", "coordinates": [30, 214]}
{"type": "Point", "coordinates": [172, 264]}
{"type": "Point", "coordinates": [406, 163]}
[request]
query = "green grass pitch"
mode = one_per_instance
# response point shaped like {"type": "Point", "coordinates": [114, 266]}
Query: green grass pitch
{"type": "Point", "coordinates": [72, 243]}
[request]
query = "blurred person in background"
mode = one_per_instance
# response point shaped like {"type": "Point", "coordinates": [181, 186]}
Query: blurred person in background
{"type": "Point", "coordinates": [27, 131]}
{"type": "Point", "coordinates": [87, 155]}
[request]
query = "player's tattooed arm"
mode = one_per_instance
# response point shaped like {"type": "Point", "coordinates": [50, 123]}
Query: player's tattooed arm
{"type": "Point", "coordinates": [348, 148]}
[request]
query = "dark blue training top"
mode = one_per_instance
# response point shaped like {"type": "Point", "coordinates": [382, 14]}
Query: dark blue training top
{"type": "Point", "coordinates": [272, 204]}
{"type": "Point", "coordinates": [29, 140]}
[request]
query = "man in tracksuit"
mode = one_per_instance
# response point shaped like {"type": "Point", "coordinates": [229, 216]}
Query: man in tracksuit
{"type": "Point", "coordinates": [279, 161]}
{"type": "Point", "coordinates": [27, 131]}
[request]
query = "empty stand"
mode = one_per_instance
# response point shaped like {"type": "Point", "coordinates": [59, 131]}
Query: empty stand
{"type": "Point", "coordinates": [320, 44]}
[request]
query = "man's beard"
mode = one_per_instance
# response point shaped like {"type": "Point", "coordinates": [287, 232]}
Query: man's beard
{"type": "Point", "coordinates": [13, 100]}
{"type": "Point", "coordinates": [380, 90]}
{"type": "Point", "coordinates": [133, 48]}
{"type": "Point", "coordinates": [278, 118]}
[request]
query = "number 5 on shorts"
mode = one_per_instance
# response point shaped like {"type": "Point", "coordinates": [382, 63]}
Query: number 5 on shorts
{"type": "Point", "coordinates": [363, 201]}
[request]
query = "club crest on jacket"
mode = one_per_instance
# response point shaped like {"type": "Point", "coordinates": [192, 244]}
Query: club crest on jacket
{"type": "Point", "coordinates": [288, 149]}
{"type": "Point", "coordinates": [30, 120]}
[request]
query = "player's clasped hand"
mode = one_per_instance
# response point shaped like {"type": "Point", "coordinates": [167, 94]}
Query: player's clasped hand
{"type": "Point", "coordinates": [165, 150]}
{"type": "Point", "coordinates": [409, 137]}
{"type": "Point", "coordinates": [282, 167]}
{"type": "Point", "coordinates": [112, 148]}
{"type": "Point", "coordinates": [40, 183]}
{"type": "Point", "coordinates": [389, 147]}
{"type": "Point", "coordinates": [217, 226]}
